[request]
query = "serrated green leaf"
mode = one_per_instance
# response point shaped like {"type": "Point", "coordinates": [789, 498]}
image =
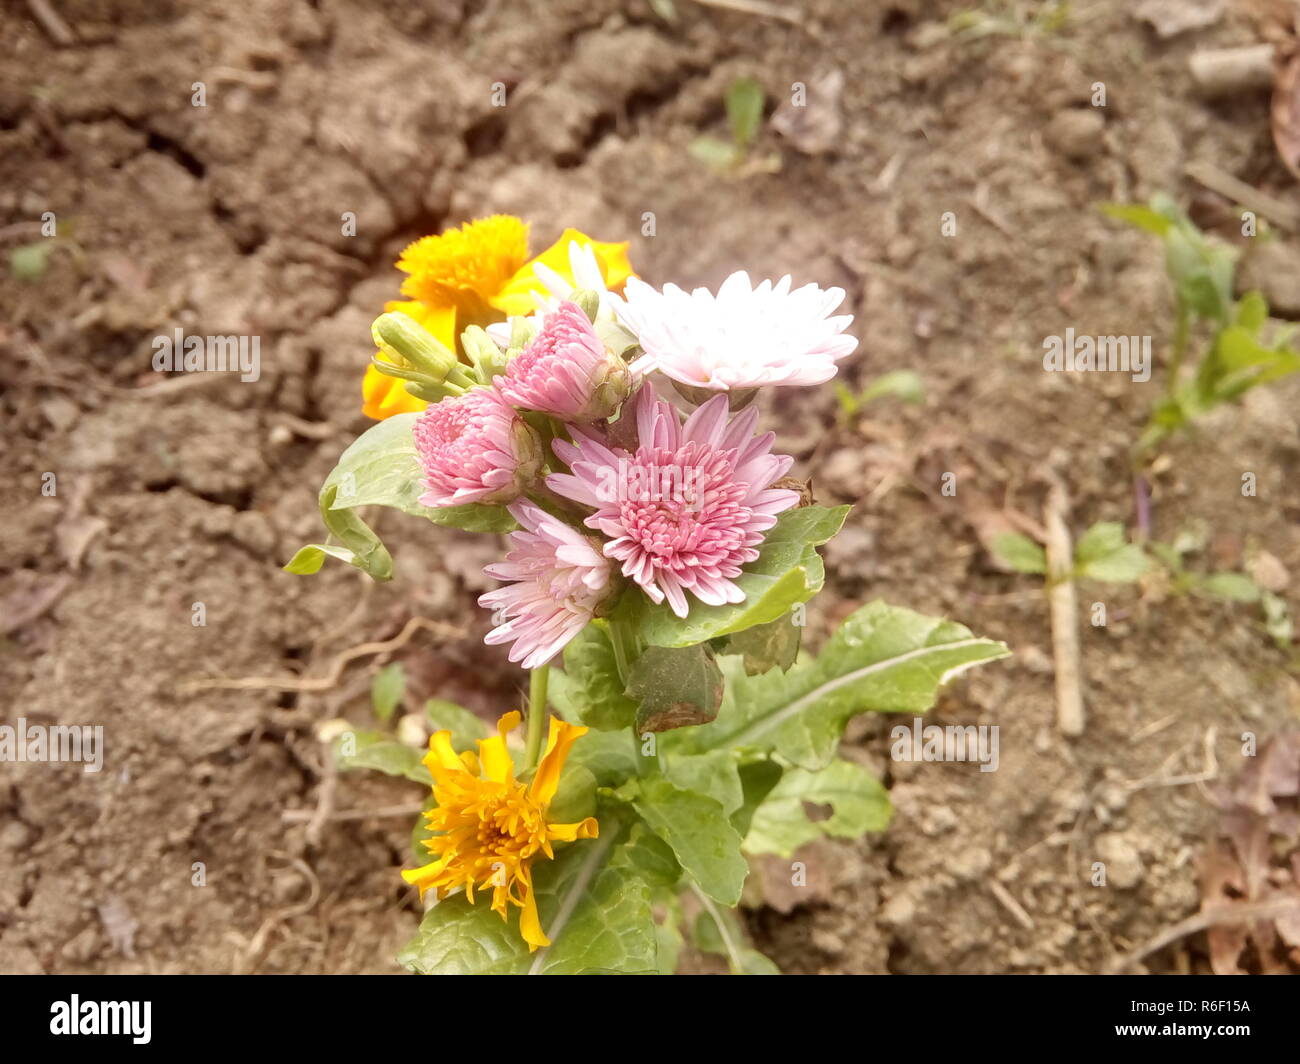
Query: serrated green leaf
{"type": "Point", "coordinates": [882, 658]}
{"type": "Point", "coordinates": [1104, 553]}
{"type": "Point", "coordinates": [466, 728]}
{"type": "Point", "coordinates": [781, 824]}
{"type": "Point", "coordinates": [787, 571]}
{"type": "Point", "coordinates": [597, 916]}
{"type": "Point", "coordinates": [379, 751]}
{"type": "Point", "coordinates": [386, 690]}
{"type": "Point", "coordinates": [697, 829]}
{"type": "Point", "coordinates": [590, 689]}
{"type": "Point", "coordinates": [1019, 552]}
{"type": "Point", "coordinates": [674, 688]}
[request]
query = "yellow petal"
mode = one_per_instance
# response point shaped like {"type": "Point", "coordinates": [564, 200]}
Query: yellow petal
{"type": "Point", "coordinates": [523, 291]}
{"type": "Point", "coordinates": [493, 753]}
{"type": "Point", "coordinates": [425, 877]}
{"type": "Point", "coordinates": [530, 924]}
{"type": "Point", "coordinates": [585, 829]}
{"type": "Point", "coordinates": [562, 736]}
{"type": "Point", "coordinates": [442, 758]}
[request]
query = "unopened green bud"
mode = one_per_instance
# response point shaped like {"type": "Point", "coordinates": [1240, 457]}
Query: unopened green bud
{"type": "Point", "coordinates": [588, 301]}
{"type": "Point", "coordinates": [487, 358]}
{"type": "Point", "coordinates": [408, 342]}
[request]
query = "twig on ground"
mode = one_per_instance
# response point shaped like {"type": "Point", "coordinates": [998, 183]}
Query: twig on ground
{"type": "Point", "coordinates": [1008, 902]}
{"type": "Point", "coordinates": [1210, 917]}
{"type": "Point", "coordinates": [51, 22]}
{"type": "Point", "coordinates": [1064, 608]}
{"type": "Point", "coordinates": [1282, 214]}
{"type": "Point", "coordinates": [755, 7]}
{"type": "Point", "coordinates": [299, 816]}
{"type": "Point", "coordinates": [335, 671]}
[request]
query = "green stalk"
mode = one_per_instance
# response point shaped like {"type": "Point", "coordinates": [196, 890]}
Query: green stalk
{"type": "Point", "coordinates": [1182, 325]}
{"type": "Point", "coordinates": [538, 681]}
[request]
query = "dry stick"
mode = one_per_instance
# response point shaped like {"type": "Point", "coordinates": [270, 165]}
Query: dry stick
{"type": "Point", "coordinates": [1229, 71]}
{"type": "Point", "coordinates": [1284, 215]}
{"type": "Point", "coordinates": [299, 816]}
{"type": "Point", "coordinates": [755, 7]}
{"type": "Point", "coordinates": [1207, 918]}
{"type": "Point", "coordinates": [51, 22]}
{"type": "Point", "coordinates": [335, 671]}
{"type": "Point", "coordinates": [1065, 611]}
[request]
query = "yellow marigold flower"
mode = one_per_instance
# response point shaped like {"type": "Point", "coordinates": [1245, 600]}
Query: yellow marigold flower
{"type": "Point", "coordinates": [522, 293]}
{"type": "Point", "coordinates": [466, 267]}
{"type": "Point", "coordinates": [490, 827]}
{"type": "Point", "coordinates": [476, 275]}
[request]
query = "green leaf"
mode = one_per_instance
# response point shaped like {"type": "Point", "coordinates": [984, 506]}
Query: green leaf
{"type": "Point", "coordinates": [590, 689]}
{"type": "Point", "coordinates": [757, 780]}
{"type": "Point", "coordinates": [378, 751]}
{"type": "Point", "coordinates": [381, 468]}
{"type": "Point", "coordinates": [697, 829]}
{"type": "Point", "coordinates": [858, 801]}
{"type": "Point", "coordinates": [1019, 552]}
{"type": "Point", "coordinates": [766, 646]}
{"type": "Point", "coordinates": [714, 153]}
{"type": "Point", "coordinates": [1251, 311]}
{"type": "Point", "coordinates": [720, 932]}
{"type": "Point", "coordinates": [788, 571]}
{"type": "Point", "coordinates": [745, 110]}
{"type": "Point", "coordinates": [1136, 214]}
{"type": "Point", "coordinates": [612, 757]}
{"type": "Point", "coordinates": [714, 773]}
{"type": "Point", "coordinates": [647, 855]}
{"type": "Point", "coordinates": [901, 384]}
{"type": "Point", "coordinates": [386, 690]}
{"type": "Point", "coordinates": [368, 553]}
{"type": "Point", "coordinates": [309, 559]}
{"type": "Point", "coordinates": [674, 688]}
{"type": "Point", "coordinates": [30, 261]}
{"type": "Point", "coordinates": [596, 915]}
{"type": "Point", "coordinates": [882, 658]}
{"type": "Point", "coordinates": [466, 729]}
{"type": "Point", "coordinates": [1104, 553]}
{"type": "Point", "coordinates": [1230, 587]}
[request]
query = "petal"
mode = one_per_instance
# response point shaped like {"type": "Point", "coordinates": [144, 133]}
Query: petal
{"type": "Point", "coordinates": [585, 829]}
{"type": "Point", "coordinates": [547, 780]}
{"type": "Point", "coordinates": [442, 759]}
{"type": "Point", "coordinates": [530, 926]}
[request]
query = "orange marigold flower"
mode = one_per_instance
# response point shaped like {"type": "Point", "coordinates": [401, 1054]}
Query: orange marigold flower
{"type": "Point", "coordinates": [489, 827]}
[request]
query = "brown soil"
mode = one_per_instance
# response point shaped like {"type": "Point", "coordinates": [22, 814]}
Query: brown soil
{"type": "Point", "coordinates": [226, 219]}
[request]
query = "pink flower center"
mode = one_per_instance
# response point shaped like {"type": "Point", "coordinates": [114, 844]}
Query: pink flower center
{"type": "Point", "coordinates": [684, 504]}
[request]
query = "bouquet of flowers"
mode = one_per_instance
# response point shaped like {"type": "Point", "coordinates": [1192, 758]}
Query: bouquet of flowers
{"type": "Point", "coordinates": [658, 564]}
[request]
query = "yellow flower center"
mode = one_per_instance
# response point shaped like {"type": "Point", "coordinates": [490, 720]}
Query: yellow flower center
{"type": "Point", "coordinates": [466, 267]}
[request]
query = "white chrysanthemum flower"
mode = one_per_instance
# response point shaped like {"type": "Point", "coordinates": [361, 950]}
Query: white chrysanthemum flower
{"type": "Point", "coordinates": [744, 337]}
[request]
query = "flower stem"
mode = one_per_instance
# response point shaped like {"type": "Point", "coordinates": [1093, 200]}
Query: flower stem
{"type": "Point", "coordinates": [538, 680]}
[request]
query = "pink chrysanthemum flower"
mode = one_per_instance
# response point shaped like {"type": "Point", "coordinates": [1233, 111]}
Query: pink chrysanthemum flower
{"type": "Point", "coordinates": [689, 507]}
{"type": "Point", "coordinates": [556, 580]}
{"type": "Point", "coordinates": [475, 448]}
{"type": "Point", "coordinates": [744, 337]}
{"type": "Point", "coordinates": [566, 371]}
